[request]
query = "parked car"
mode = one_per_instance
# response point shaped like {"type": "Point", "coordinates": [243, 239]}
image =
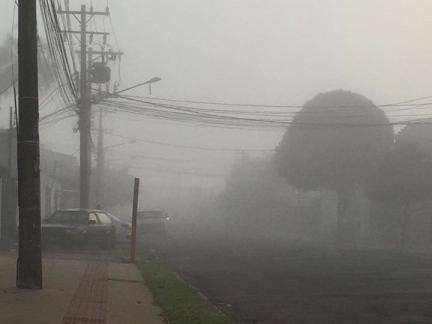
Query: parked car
{"type": "Point", "coordinates": [78, 227]}
{"type": "Point", "coordinates": [123, 229]}
{"type": "Point", "coordinates": [152, 222]}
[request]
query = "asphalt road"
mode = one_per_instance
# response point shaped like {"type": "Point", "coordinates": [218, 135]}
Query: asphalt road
{"type": "Point", "coordinates": [283, 284]}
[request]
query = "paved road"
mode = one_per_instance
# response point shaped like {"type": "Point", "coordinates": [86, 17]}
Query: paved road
{"type": "Point", "coordinates": [295, 285]}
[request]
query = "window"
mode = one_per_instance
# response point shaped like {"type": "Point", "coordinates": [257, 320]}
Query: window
{"type": "Point", "coordinates": [104, 219]}
{"type": "Point", "coordinates": [70, 217]}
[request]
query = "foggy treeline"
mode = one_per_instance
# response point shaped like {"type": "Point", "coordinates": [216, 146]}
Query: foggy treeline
{"type": "Point", "coordinates": [354, 186]}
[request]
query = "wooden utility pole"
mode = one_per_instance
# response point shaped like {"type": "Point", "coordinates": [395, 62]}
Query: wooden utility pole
{"type": "Point", "coordinates": [134, 221]}
{"type": "Point", "coordinates": [29, 263]}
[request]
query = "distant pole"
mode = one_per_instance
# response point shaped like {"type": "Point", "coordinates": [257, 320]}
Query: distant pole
{"type": "Point", "coordinates": [29, 263]}
{"type": "Point", "coordinates": [10, 137]}
{"type": "Point", "coordinates": [134, 221]}
{"type": "Point", "coordinates": [6, 188]}
{"type": "Point", "coordinates": [10, 187]}
{"type": "Point", "coordinates": [100, 159]}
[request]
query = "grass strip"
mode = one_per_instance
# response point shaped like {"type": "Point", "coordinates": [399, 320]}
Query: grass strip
{"type": "Point", "coordinates": [180, 303]}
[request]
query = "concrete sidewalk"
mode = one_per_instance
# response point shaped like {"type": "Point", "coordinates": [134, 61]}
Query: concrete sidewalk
{"type": "Point", "coordinates": [77, 291]}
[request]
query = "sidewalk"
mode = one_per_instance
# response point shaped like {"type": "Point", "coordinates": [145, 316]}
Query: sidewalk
{"type": "Point", "coordinates": [77, 291]}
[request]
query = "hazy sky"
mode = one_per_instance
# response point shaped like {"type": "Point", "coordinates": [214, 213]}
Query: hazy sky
{"type": "Point", "coordinates": [256, 51]}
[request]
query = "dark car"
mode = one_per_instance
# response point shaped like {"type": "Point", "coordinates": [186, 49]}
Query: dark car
{"type": "Point", "coordinates": [79, 227]}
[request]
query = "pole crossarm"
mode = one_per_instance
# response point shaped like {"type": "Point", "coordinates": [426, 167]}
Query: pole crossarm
{"type": "Point", "coordinates": [87, 32]}
{"type": "Point", "coordinates": [103, 52]}
{"type": "Point", "coordinates": [91, 13]}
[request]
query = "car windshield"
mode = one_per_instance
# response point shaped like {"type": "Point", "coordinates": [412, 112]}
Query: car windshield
{"type": "Point", "coordinates": [103, 218]}
{"type": "Point", "coordinates": [115, 219]}
{"type": "Point", "coordinates": [69, 217]}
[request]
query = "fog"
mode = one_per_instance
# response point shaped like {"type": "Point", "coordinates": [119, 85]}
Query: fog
{"type": "Point", "coordinates": [239, 185]}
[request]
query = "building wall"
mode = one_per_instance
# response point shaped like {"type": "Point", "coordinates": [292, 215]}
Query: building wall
{"type": "Point", "coordinates": [57, 172]}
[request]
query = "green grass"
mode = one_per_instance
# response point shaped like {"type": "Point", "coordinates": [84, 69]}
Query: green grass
{"type": "Point", "coordinates": [180, 303]}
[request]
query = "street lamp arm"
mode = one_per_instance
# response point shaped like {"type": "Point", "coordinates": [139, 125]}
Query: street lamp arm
{"type": "Point", "coordinates": [119, 144]}
{"type": "Point", "coordinates": [152, 80]}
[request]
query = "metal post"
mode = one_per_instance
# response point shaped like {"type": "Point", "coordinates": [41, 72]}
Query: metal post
{"type": "Point", "coordinates": [134, 221]}
{"type": "Point", "coordinates": [29, 263]}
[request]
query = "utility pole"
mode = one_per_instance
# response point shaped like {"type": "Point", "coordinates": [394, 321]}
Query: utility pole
{"type": "Point", "coordinates": [11, 184]}
{"type": "Point", "coordinates": [6, 215]}
{"type": "Point", "coordinates": [29, 263]}
{"type": "Point", "coordinates": [100, 159]}
{"type": "Point", "coordinates": [85, 98]}
{"type": "Point", "coordinates": [10, 137]}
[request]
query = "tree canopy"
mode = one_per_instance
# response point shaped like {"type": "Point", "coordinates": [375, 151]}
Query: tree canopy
{"type": "Point", "coordinates": [338, 156]}
{"type": "Point", "coordinates": [9, 64]}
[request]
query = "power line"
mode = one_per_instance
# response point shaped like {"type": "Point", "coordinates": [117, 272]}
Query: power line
{"type": "Point", "coordinates": [180, 173]}
{"type": "Point", "coordinates": [145, 157]}
{"type": "Point", "coordinates": [192, 147]}
{"type": "Point", "coordinates": [235, 104]}
{"type": "Point", "coordinates": [175, 113]}
{"type": "Point", "coordinates": [58, 53]}
{"type": "Point", "coordinates": [271, 114]}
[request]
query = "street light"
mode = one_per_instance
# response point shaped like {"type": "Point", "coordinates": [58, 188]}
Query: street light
{"type": "Point", "coordinates": [119, 144]}
{"type": "Point", "coordinates": [149, 82]}
{"type": "Point", "coordinates": [114, 94]}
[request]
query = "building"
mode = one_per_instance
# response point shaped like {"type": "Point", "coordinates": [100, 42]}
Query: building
{"type": "Point", "coordinates": [59, 183]}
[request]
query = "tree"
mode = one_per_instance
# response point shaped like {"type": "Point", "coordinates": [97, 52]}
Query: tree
{"type": "Point", "coordinates": [9, 64]}
{"type": "Point", "coordinates": [404, 178]}
{"type": "Point", "coordinates": [420, 133]}
{"type": "Point", "coordinates": [324, 149]}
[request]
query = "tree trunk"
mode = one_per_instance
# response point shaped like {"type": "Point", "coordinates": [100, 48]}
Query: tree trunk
{"type": "Point", "coordinates": [405, 219]}
{"type": "Point", "coordinates": [341, 217]}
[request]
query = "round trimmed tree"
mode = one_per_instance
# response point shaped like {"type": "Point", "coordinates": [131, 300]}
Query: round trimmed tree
{"type": "Point", "coordinates": [335, 141]}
